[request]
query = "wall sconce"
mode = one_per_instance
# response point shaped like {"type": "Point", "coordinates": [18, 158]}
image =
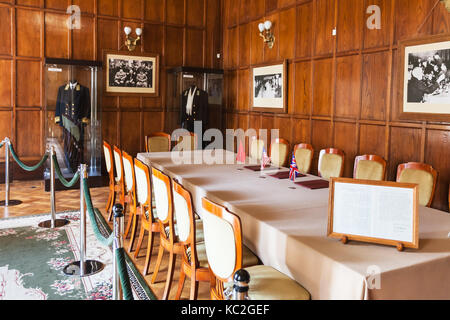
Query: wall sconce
{"type": "Point", "coordinates": [266, 33]}
{"type": "Point", "coordinates": [132, 42]}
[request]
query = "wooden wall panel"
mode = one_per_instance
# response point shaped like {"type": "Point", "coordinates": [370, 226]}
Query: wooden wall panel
{"type": "Point", "coordinates": [304, 30]}
{"type": "Point", "coordinates": [28, 90]}
{"type": "Point", "coordinates": [322, 87]}
{"type": "Point", "coordinates": [5, 79]}
{"type": "Point", "coordinates": [349, 25]}
{"type": "Point", "coordinates": [28, 32]}
{"type": "Point", "coordinates": [348, 86]}
{"type": "Point", "coordinates": [5, 31]}
{"type": "Point", "coordinates": [342, 90]}
{"type": "Point", "coordinates": [325, 22]}
{"type": "Point", "coordinates": [154, 10]}
{"type": "Point", "coordinates": [56, 36]}
{"type": "Point", "coordinates": [438, 155]}
{"type": "Point", "coordinates": [374, 86]}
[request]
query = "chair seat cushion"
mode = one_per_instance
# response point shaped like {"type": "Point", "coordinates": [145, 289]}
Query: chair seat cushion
{"type": "Point", "coordinates": [266, 283]}
{"type": "Point", "coordinates": [248, 258]}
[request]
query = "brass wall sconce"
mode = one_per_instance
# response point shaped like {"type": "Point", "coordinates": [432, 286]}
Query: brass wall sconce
{"type": "Point", "coordinates": [132, 42]}
{"type": "Point", "coordinates": [266, 33]}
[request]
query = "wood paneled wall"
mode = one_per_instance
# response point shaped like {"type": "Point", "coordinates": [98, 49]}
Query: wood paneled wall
{"type": "Point", "coordinates": [342, 89]}
{"type": "Point", "coordinates": [183, 32]}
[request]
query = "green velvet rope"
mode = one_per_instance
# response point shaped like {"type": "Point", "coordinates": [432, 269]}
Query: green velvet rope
{"type": "Point", "coordinates": [2, 144]}
{"type": "Point", "coordinates": [66, 183]}
{"type": "Point", "coordinates": [23, 165]}
{"type": "Point", "coordinates": [123, 274]}
{"type": "Point", "coordinates": [92, 212]}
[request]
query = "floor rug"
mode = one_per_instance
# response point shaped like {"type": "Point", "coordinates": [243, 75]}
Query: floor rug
{"type": "Point", "coordinates": [32, 260]}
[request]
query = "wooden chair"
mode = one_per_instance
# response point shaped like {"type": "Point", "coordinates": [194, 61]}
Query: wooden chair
{"type": "Point", "coordinates": [223, 241]}
{"type": "Point", "coordinates": [279, 152]}
{"type": "Point", "coordinates": [256, 147]}
{"type": "Point", "coordinates": [130, 197]}
{"type": "Point", "coordinates": [120, 181]}
{"type": "Point", "coordinates": [187, 142]}
{"type": "Point", "coordinates": [331, 163]}
{"type": "Point", "coordinates": [369, 167]}
{"type": "Point", "coordinates": [422, 174]}
{"type": "Point", "coordinates": [145, 211]}
{"type": "Point", "coordinates": [113, 187]}
{"type": "Point", "coordinates": [158, 142]}
{"type": "Point", "coordinates": [194, 266]}
{"type": "Point", "coordinates": [304, 154]}
{"type": "Point", "coordinates": [168, 240]}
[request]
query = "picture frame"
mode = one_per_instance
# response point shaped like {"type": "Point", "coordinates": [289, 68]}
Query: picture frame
{"type": "Point", "coordinates": [130, 74]}
{"type": "Point", "coordinates": [424, 79]}
{"type": "Point", "coordinates": [269, 88]}
{"type": "Point", "coordinates": [349, 218]}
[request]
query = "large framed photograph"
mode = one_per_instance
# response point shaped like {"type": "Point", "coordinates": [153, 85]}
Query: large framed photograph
{"type": "Point", "coordinates": [130, 74]}
{"type": "Point", "coordinates": [424, 88]}
{"type": "Point", "coordinates": [269, 88]}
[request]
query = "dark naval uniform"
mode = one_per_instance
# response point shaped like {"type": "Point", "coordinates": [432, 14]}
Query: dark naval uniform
{"type": "Point", "coordinates": [199, 110]}
{"type": "Point", "coordinates": [73, 110]}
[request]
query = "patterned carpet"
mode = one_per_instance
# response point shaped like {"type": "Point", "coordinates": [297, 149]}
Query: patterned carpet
{"type": "Point", "coordinates": [32, 260]}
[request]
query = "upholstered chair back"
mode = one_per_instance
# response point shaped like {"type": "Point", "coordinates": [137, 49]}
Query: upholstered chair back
{"type": "Point", "coordinates": [163, 195]}
{"type": "Point", "coordinates": [118, 163]}
{"type": "Point", "coordinates": [369, 167]}
{"type": "Point", "coordinates": [142, 185]}
{"type": "Point", "coordinates": [223, 240]}
{"type": "Point", "coordinates": [279, 150]}
{"type": "Point", "coordinates": [256, 148]}
{"type": "Point", "coordinates": [127, 161]}
{"type": "Point", "coordinates": [108, 156]}
{"type": "Point", "coordinates": [304, 154]}
{"type": "Point", "coordinates": [182, 216]}
{"type": "Point", "coordinates": [158, 142]}
{"type": "Point", "coordinates": [331, 163]}
{"type": "Point", "coordinates": [422, 174]}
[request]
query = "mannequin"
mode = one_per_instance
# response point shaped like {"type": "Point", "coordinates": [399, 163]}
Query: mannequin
{"type": "Point", "coordinates": [194, 107]}
{"type": "Point", "coordinates": [73, 110]}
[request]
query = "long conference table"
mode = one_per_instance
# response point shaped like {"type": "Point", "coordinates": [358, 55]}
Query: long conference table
{"type": "Point", "coordinates": [286, 226]}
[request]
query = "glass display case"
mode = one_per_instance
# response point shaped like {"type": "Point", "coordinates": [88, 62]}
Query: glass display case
{"type": "Point", "coordinates": [72, 115]}
{"type": "Point", "coordinates": [206, 85]}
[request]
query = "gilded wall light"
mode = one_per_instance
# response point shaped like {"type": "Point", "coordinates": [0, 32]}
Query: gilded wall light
{"type": "Point", "coordinates": [132, 42]}
{"type": "Point", "coordinates": [265, 31]}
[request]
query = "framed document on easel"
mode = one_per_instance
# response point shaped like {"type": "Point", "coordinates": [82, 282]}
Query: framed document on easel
{"type": "Point", "coordinates": [374, 211]}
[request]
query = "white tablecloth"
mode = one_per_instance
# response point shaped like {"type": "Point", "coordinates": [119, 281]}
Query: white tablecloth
{"type": "Point", "coordinates": [287, 229]}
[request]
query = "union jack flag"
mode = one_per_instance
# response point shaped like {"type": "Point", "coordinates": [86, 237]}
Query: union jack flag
{"type": "Point", "coordinates": [293, 172]}
{"type": "Point", "coordinates": [265, 159]}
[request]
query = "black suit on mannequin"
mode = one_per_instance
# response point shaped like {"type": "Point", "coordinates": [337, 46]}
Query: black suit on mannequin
{"type": "Point", "coordinates": [73, 110]}
{"type": "Point", "coordinates": [199, 109]}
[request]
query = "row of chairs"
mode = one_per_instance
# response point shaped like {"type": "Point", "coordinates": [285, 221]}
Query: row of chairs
{"type": "Point", "coordinates": [366, 167]}
{"type": "Point", "coordinates": [331, 162]}
{"type": "Point", "coordinates": [211, 248]}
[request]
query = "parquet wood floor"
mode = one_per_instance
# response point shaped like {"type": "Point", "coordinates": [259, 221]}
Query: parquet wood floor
{"type": "Point", "coordinates": [36, 201]}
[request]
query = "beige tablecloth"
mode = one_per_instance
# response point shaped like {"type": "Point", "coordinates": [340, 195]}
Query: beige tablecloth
{"type": "Point", "coordinates": [287, 229]}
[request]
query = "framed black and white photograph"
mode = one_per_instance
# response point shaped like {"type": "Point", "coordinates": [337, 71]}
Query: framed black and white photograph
{"type": "Point", "coordinates": [425, 79]}
{"type": "Point", "coordinates": [269, 84]}
{"type": "Point", "coordinates": [128, 74]}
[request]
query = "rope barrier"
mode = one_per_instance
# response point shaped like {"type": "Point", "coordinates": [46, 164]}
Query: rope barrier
{"type": "Point", "coordinates": [92, 213]}
{"type": "Point", "coordinates": [2, 144]}
{"type": "Point", "coordinates": [66, 183]}
{"type": "Point", "coordinates": [23, 165]}
{"type": "Point", "coordinates": [123, 274]}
